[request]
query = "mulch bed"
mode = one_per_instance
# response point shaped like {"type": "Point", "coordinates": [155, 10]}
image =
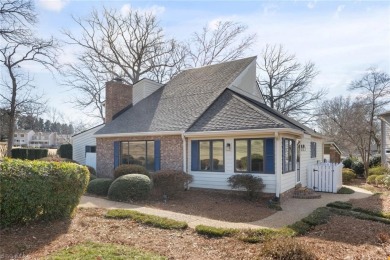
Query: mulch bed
{"type": "Point", "coordinates": [341, 238]}
{"type": "Point", "coordinates": [219, 205]}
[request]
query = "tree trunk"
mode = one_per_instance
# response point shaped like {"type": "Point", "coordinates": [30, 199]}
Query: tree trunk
{"type": "Point", "coordinates": [12, 113]}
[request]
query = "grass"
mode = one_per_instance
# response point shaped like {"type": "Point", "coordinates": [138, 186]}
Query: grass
{"type": "Point", "coordinates": [150, 220]}
{"type": "Point", "coordinates": [93, 251]}
{"type": "Point", "coordinates": [345, 190]}
{"type": "Point", "coordinates": [214, 231]}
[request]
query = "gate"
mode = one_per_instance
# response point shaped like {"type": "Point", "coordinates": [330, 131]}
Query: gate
{"type": "Point", "coordinates": [325, 177]}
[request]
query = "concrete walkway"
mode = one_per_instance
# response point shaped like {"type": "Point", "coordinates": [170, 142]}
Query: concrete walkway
{"type": "Point", "coordinates": [293, 210]}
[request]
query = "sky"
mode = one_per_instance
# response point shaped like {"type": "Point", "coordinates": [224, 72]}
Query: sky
{"type": "Point", "coordinates": [343, 38]}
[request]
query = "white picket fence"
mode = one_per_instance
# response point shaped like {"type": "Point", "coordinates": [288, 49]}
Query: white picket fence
{"type": "Point", "coordinates": [325, 177]}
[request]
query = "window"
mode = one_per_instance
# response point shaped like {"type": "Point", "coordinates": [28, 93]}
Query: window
{"type": "Point", "coordinates": [313, 149]}
{"type": "Point", "coordinates": [21, 135]}
{"type": "Point", "coordinates": [90, 149]}
{"type": "Point", "coordinates": [211, 156]}
{"type": "Point", "coordinates": [288, 155]}
{"type": "Point", "coordinates": [15, 135]}
{"type": "Point", "coordinates": [138, 152]}
{"type": "Point", "coordinates": [249, 155]}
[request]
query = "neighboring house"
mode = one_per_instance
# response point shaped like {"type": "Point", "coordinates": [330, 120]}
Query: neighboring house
{"type": "Point", "coordinates": [385, 138]}
{"type": "Point", "coordinates": [63, 139]}
{"type": "Point", "coordinates": [84, 146]}
{"type": "Point", "coordinates": [211, 122]}
{"type": "Point", "coordinates": [22, 137]}
{"type": "Point", "coordinates": [43, 139]}
{"type": "Point", "coordinates": [332, 152]}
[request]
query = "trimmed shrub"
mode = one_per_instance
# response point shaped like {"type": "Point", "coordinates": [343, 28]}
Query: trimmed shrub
{"type": "Point", "coordinates": [286, 248]}
{"type": "Point", "coordinates": [347, 162]}
{"type": "Point", "coordinates": [214, 231]}
{"type": "Point", "coordinates": [380, 179]}
{"type": "Point", "coordinates": [300, 227]}
{"type": "Point", "coordinates": [358, 168]}
{"type": "Point", "coordinates": [345, 190]}
{"type": "Point", "coordinates": [375, 161]}
{"type": "Point", "coordinates": [317, 217]}
{"type": "Point", "coordinates": [57, 159]}
{"type": "Point", "coordinates": [371, 179]}
{"type": "Point", "coordinates": [170, 182]}
{"type": "Point", "coordinates": [125, 169]}
{"type": "Point", "coordinates": [92, 173]}
{"type": "Point", "coordinates": [348, 175]}
{"type": "Point", "coordinates": [253, 185]}
{"type": "Point", "coordinates": [99, 186]}
{"type": "Point", "coordinates": [380, 170]}
{"type": "Point", "coordinates": [130, 187]}
{"type": "Point", "coordinates": [32, 190]}
{"type": "Point", "coordinates": [340, 205]}
{"type": "Point", "coordinates": [28, 153]}
{"type": "Point", "coordinates": [65, 151]}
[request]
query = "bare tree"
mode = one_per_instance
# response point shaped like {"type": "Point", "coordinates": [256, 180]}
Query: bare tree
{"type": "Point", "coordinates": [16, 84]}
{"type": "Point", "coordinates": [374, 87]}
{"type": "Point", "coordinates": [127, 46]}
{"type": "Point", "coordinates": [286, 84]}
{"type": "Point", "coordinates": [16, 16]}
{"type": "Point", "coordinates": [225, 42]}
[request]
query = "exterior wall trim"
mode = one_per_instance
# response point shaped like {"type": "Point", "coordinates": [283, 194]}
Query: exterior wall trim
{"type": "Point", "coordinates": [139, 134]}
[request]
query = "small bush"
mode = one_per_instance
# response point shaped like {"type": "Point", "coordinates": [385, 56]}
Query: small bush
{"type": "Point", "coordinates": [348, 175]}
{"type": "Point", "coordinates": [253, 185]}
{"type": "Point", "coordinates": [92, 173]}
{"type": "Point", "coordinates": [300, 227]}
{"type": "Point", "coordinates": [375, 161]}
{"type": "Point", "coordinates": [317, 217]}
{"type": "Point", "coordinates": [99, 186]}
{"type": "Point", "coordinates": [380, 170]}
{"type": "Point", "coordinates": [130, 187]}
{"type": "Point", "coordinates": [358, 168]}
{"type": "Point", "coordinates": [286, 248]}
{"type": "Point", "coordinates": [340, 205]}
{"type": "Point", "coordinates": [28, 153]}
{"type": "Point", "coordinates": [32, 190]}
{"type": "Point", "coordinates": [380, 180]}
{"type": "Point", "coordinates": [65, 151]}
{"type": "Point", "coordinates": [155, 221]}
{"type": "Point", "coordinates": [169, 182]}
{"type": "Point", "coordinates": [125, 169]}
{"type": "Point", "coordinates": [347, 162]}
{"type": "Point", "coordinates": [386, 181]}
{"type": "Point", "coordinates": [371, 179]}
{"type": "Point", "coordinates": [214, 231]}
{"type": "Point", "coordinates": [345, 190]}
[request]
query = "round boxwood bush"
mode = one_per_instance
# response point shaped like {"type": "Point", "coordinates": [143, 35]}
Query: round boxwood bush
{"type": "Point", "coordinates": [371, 179]}
{"type": "Point", "coordinates": [99, 186]}
{"type": "Point", "coordinates": [130, 187]}
{"type": "Point", "coordinates": [348, 162]}
{"type": "Point", "coordinates": [348, 175]}
{"type": "Point", "coordinates": [92, 172]}
{"type": "Point", "coordinates": [358, 168]}
{"type": "Point", "coordinates": [375, 161]}
{"type": "Point", "coordinates": [125, 169]}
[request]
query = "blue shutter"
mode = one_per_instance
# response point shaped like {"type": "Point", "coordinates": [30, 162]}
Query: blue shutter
{"type": "Point", "coordinates": [194, 155]}
{"type": "Point", "coordinates": [269, 155]}
{"type": "Point", "coordinates": [157, 155]}
{"type": "Point", "coordinates": [117, 147]}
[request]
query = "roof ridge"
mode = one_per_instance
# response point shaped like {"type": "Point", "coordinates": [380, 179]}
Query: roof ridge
{"type": "Point", "coordinates": [222, 63]}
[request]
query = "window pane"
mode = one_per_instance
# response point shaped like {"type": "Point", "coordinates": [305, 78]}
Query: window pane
{"type": "Point", "coordinates": [241, 149]}
{"type": "Point", "coordinates": [125, 153]}
{"type": "Point", "coordinates": [218, 163]}
{"type": "Point", "coordinates": [137, 153]}
{"type": "Point", "coordinates": [257, 160]}
{"type": "Point", "coordinates": [150, 156]}
{"type": "Point", "coordinates": [204, 155]}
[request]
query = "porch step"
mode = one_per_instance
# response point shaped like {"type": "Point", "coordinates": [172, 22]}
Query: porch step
{"type": "Point", "coordinates": [305, 193]}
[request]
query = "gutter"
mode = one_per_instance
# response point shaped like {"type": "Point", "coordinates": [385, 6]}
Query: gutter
{"type": "Point", "coordinates": [138, 134]}
{"type": "Point", "coordinates": [245, 132]}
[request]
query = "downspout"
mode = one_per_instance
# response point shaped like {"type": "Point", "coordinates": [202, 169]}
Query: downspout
{"type": "Point", "coordinates": [184, 152]}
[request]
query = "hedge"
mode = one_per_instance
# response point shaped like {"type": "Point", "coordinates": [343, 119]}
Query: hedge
{"type": "Point", "coordinates": [65, 151]}
{"type": "Point", "coordinates": [38, 190]}
{"type": "Point", "coordinates": [28, 153]}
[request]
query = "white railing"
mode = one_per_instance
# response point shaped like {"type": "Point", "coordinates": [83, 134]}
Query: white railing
{"type": "Point", "coordinates": [325, 177]}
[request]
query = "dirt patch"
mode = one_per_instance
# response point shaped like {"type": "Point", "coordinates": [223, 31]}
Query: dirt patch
{"type": "Point", "coordinates": [219, 205]}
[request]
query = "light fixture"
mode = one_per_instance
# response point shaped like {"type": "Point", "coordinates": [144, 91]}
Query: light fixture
{"type": "Point", "coordinates": [227, 146]}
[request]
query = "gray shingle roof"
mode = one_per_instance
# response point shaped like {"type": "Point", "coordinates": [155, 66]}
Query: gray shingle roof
{"type": "Point", "coordinates": [177, 105]}
{"type": "Point", "coordinates": [232, 111]}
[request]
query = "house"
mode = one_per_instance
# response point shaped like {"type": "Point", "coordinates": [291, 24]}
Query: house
{"type": "Point", "coordinates": [332, 152]}
{"type": "Point", "coordinates": [43, 139]}
{"type": "Point", "coordinates": [211, 122]}
{"type": "Point", "coordinates": [22, 137]}
{"type": "Point", "coordinates": [385, 138]}
{"type": "Point", "coordinates": [84, 146]}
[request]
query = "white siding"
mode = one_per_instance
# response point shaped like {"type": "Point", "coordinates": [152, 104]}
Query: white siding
{"type": "Point", "coordinates": [385, 128]}
{"type": "Point", "coordinates": [80, 141]}
{"type": "Point", "coordinates": [143, 89]}
{"type": "Point", "coordinates": [218, 180]}
{"type": "Point", "coordinates": [246, 85]}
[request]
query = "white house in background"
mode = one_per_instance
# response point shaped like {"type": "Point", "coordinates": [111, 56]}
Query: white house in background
{"type": "Point", "coordinates": [385, 136]}
{"type": "Point", "coordinates": [84, 146]}
{"type": "Point", "coordinates": [23, 137]}
{"type": "Point", "coordinates": [43, 139]}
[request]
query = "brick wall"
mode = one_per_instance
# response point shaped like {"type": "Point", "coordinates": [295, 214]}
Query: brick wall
{"type": "Point", "coordinates": [118, 96]}
{"type": "Point", "coordinates": [171, 152]}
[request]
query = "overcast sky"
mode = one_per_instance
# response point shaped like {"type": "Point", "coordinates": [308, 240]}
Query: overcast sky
{"type": "Point", "coordinates": [343, 39]}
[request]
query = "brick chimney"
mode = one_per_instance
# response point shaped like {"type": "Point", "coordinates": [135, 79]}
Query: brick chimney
{"type": "Point", "coordinates": [118, 96]}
